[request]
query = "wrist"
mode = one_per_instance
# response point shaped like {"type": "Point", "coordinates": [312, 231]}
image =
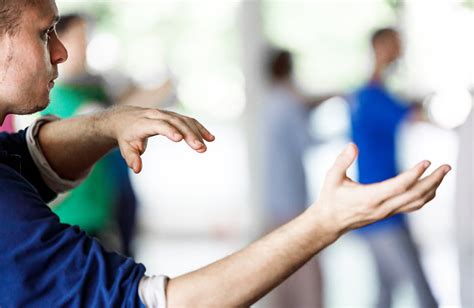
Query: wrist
{"type": "Point", "coordinates": [104, 126]}
{"type": "Point", "coordinates": [325, 222]}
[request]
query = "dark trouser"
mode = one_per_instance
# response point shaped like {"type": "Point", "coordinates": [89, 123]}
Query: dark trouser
{"type": "Point", "coordinates": [397, 262]}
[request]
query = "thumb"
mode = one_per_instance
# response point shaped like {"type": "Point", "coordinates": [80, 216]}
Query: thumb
{"type": "Point", "coordinates": [345, 159]}
{"type": "Point", "coordinates": [131, 156]}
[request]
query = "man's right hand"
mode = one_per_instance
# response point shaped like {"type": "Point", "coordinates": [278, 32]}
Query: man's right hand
{"type": "Point", "coordinates": [345, 205]}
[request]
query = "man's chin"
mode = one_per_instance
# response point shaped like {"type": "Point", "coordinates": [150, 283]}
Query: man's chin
{"type": "Point", "coordinates": [32, 109]}
{"type": "Point", "coordinates": [42, 106]}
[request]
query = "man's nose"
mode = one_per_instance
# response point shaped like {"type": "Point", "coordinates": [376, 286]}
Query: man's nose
{"type": "Point", "coordinates": [57, 50]}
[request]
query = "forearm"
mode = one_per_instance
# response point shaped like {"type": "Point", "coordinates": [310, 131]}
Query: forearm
{"type": "Point", "coordinates": [72, 146]}
{"type": "Point", "coordinates": [244, 277]}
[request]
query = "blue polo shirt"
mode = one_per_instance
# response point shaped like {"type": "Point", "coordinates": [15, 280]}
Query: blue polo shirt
{"type": "Point", "coordinates": [375, 118]}
{"type": "Point", "coordinates": [44, 263]}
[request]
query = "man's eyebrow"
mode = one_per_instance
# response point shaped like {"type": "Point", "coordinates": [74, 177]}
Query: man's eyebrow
{"type": "Point", "coordinates": [55, 20]}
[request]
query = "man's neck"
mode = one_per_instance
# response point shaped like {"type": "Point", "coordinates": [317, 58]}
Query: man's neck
{"type": "Point", "coordinates": [377, 74]}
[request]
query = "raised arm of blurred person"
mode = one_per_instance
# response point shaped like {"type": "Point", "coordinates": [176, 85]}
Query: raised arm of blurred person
{"type": "Point", "coordinates": [316, 101]}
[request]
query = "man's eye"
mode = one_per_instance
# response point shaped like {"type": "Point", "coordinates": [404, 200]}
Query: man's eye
{"type": "Point", "coordinates": [45, 35]}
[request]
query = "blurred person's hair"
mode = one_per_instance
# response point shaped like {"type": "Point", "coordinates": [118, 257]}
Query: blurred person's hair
{"type": "Point", "coordinates": [67, 20]}
{"type": "Point", "coordinates": [279, 65]}
{"type": "Point", "coordinates": [381, 34]}
{"type": "Point", "coordinates": [10, 14]}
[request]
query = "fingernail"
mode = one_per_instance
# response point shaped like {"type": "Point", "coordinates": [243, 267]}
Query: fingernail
{"type": "Point", "coordinates": [177, 136]}
{"type": "Point", "coordinates": [426, 164]}
{"type": "Point", "coordinates": [198, 143]}
{"type": "Point", "coordinates": [447, 169]}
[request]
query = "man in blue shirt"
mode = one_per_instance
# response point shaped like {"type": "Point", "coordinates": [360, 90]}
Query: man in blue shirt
{"type": "Point", "coordinates": [376, 115]}
{"type": "Point", "coordinates": [45, 263]}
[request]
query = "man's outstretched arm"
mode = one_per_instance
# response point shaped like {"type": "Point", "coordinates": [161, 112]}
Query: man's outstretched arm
{"type": "Point", "coordinates": [240, 279]}
{"type": "Point", "coordinates": [72, 146]}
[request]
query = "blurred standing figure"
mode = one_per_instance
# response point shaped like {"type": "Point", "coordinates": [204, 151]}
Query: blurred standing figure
{"type": "Point", "coordinates": [105, 204]}
{"type": "Point", "coordinates": [285, 139]}
{"type": "Point", "coordinates": [376, 115]}
{"type": "Point", "coordinates": [465, 212]}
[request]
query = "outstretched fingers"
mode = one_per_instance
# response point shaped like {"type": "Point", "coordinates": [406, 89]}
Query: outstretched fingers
{"type": "Point", "coordinates": [420, 194]}
{"type": "Point", "coordinates": [398, 185]}
{"type": "Point", "coordinates": [204, 132]}
{"type": "Point", "coordinates": [192, 132]}
{"type": "Point", "coordinates": [177, 129]}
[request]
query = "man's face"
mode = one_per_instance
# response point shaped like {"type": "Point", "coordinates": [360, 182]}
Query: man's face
{"type": "Point", "coordinates": [394, 47]}
{"type": "Point", "coordinates": [388, 48]}
{"type": "Point", "coordinates": [29, 60]}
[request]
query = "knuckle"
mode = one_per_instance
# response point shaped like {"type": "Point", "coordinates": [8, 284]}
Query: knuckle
{"type": "Point", "coordinates": [373, 202]}
{"type": "Point", "coordinates": [396, 190]}
{"type": "Point", "coordinates": [160, 122]}
{"type": "Point", "coordinates": [177, 120]}
{"type": "Point", "coordinates": [419, 204]}
{"type": "Point", "coordinates": [152, 112]}
{"type": "Point", "coordinates": [430, 197]}
{"type": "Point", "coordinates": [418, 194]}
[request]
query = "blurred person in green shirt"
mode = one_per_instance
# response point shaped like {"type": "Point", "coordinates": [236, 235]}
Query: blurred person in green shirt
{"type": "Point", "coordinates": [104, 205]}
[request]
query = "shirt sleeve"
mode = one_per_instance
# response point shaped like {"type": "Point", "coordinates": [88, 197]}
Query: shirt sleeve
{"type": "Point", "coordinates": [50, 177]}
{"type": "Point", "coordinates": [44, 263]}
{"type": "Point", "coordinates": [152, 291]}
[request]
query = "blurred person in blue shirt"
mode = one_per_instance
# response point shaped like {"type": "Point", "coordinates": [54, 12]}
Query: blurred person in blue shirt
{"type": "Point", "coordinates": [376, 115]}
